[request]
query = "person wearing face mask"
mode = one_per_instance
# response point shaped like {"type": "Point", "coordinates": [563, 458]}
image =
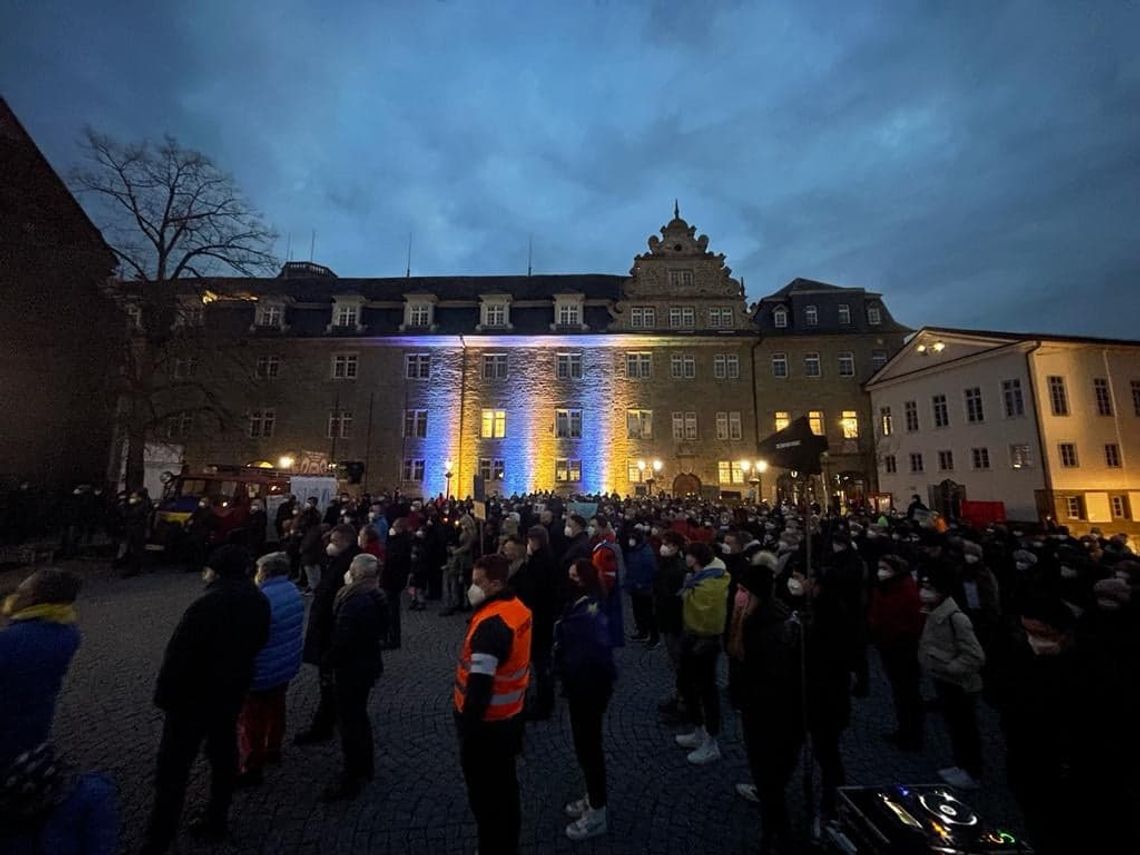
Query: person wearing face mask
{"type": "Point", "coordinates": [206, 671]}
{"type": "Point", "coordinates": [360, 615]}
{"type": "Point", "coordinates": [610, 563]}
{"type": "Point", "coordinates": [261, 725]}
{"type": "Point", "coordinates": [585, 666]}
{"type": "Point", "coordinates": [577, 541]}
{"type": "Point", "coordinates": [341, 550]}
{"type": "Point", "coordinates": [256, 528]}
{"type": "Point", "coordinates": [459, 563]}
{"type": "Point", "coordinates": [641, 570]}
{"type": "Point", "coordinates": [953, 658]}
{"type": "Point", "coordinates": [396, 572]}
{"type": "Point", "coordinates": [491, 679]}
{"type": "Point", "coordinates": [894, 621]}
{"type": "Point", "coordinates": [667, 585]}
{"type": "Point", "coordinates": [309, 532]}
{"type": "Point", "coordinates": [704, 607]}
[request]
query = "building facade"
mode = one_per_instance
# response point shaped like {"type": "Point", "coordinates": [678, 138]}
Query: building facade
{"type": "Point", "coordinates": [1047, 425]}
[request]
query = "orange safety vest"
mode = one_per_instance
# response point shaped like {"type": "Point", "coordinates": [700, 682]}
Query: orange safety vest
{"type": "Point", "coordinates": [513, 675]}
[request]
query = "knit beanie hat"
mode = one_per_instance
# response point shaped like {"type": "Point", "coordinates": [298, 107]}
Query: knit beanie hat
{"type": "Point", "coordinates": [229, 561]}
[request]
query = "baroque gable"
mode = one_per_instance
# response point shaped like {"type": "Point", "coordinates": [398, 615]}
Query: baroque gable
{"type": "Point", "coordinates": [679, 264]}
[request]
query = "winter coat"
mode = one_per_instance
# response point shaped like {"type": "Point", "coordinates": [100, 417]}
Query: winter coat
{"type": "Point", "coordinates": [667, 594]}
{"type": "Point", "coordinates": [312, 547]}
{"type": "Point", "coordinates": [34, 657]}
{"type": "Point", "coordinates": [640, 569]}
{"type": "Point", "coordinates": [948, 648]}
{"type": "Point", "coordinates": [360, 624]}
{"type": "Point", "coordinates": [535, 585]}
{"type": "Point", "coordinates": [318, 636]}
{"type": "Point", "coordinates": [280, 658]}
{"type": "Point", "coordinates": [894, 616]}
{"type": "Point", "coordinates": [398, 564]}
{"type": "Point", "coordinates": [208, 665]}
{"type": "Point", "coordinates": [771, 677]}
{"type": "Point", "coordinates": [577, 547]}
{"type": "Point", "coordinates": [704, 601]}
{"type": "Point", "coordinates": [583, 655]}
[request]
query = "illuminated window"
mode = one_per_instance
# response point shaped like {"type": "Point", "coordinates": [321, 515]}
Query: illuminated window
{"type": "Point", "coordinates": [720, 318]}
{"type": "Point", "coordinates": [850, 424]}
{"type": "Point", "coordinates": [682, 366]}
{"type": "Point", "coordinates": [415, 423]}
{"type": "Point", "coordinates": [726, 366]}
{"type": "Point", "coordinates": [643, 317]}
{"type": "Point", "coordinates": [779, 365]}
{"type": "Point", "coordinates": [634, 474]}
{"type": "Point", "coordinates": [1012, 398]}
{"type": "Point", "coordinates": [1058, 397]}
{"type": "Point", "coordinates": [890, 464]}
{"type": "Point", "coordinates": [1068, 453]}
{"type": "Point", "coordinates": [915, 462]}
{"type": "Point", "coordinates": [567, 470]}
{"type": "Point", "coordinates": [494, 424]}
{"type": "Point", "coordinates": [1112, 455]}
{"type": "Point", "coordinates": [974, 412]}
{"type": "Point", "coordinates": [682, 317]}
{"type": "Point", "coordinates": [886, 423]}
{"type": "Point", "coordinates": [184, 368]}
{"type": "Point", "coordinates": [267, 367]}
{"type": "Point", "coordinates": [262, 422]}
{"type": "Point", "coordinates": [811, 365]}
{"type": "Point", "coordinates": [494, 366]}
{"type": "Point", "coordinates": [811, 316]}
{"type": "Point", "coordinates": [783, 419]}
{"type": "Point", "coordinates": [344, 366]}
{"type": "Point", "coordinates": [346, 316]}
{"type": "Point", "coordinates": [417, 366]}
{"type": "Point", "coordinates": [730, 472]}
{"type": "Point", "coordinates": [941, 411]}
{"type": "Point", "coordinates": [639, 424]}
{"type": "Point", "coordinates": [847, 364]}
{"type": "Point", "coordinates": [1103, 397]}
{"type": "Point", "coordinates": [339, 424]}
{"type": "Point", "coordinates": [981, 457]}
{"type": "Point", "coordinates": [1019, 456]}
{"type": "Point", "coordinates": [878, 359]}
{"type": "Point", "coordinates": [413, 469]}
{"type": "Point", "coordinates": [844, 314]}
{"type": "Point", "coordinates": [779, 317]}
{"type": "Point", "coordinates": [179, 426]}
{"type": "Point", "coordinates": [910, 411]}
{"type": "Point", "coordinates": [269, 315]}
{"type": "Point", "coordinates": [569, 366]}
{"type": "Point", "coordinates": [946, 461]}
{"type": "Point", "coordinates": [680, 278]}
{"type": "Point", "coordinates": [639, 366]}
{"type": "Point", "coordinates": [815, 421]}
{"type": "Point", "coordinates": [1074, 509]}
{"type": "Point", "coordinates": [874, 316]}
{"type": "Point", "coordinates": [491, 468]}
{"type": "Point", "coordinates": [568, 424]}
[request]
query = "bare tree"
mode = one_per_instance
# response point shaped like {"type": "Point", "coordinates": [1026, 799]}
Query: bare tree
{"type": "Point", "coordinates": [173, 219]}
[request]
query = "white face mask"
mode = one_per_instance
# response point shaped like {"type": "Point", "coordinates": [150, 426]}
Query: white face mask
{"type": "Point", "coordinates": [391, 532]}
{"type": "Point", "coordinates": [332, 550]}
{"type": "Point", "coordinates": [667, 551]}
{"type": "Point", "coordinates": [928, 596]}
{"type": "Point", "coordinates": [837, 547]}
{"type": "Point", "coordinates": [203, 504]}
{"type": "Point", "coordinates": [726, 549]}
{"type": "Point", "coordinates": [475, 594]}
{"type": "Point", "coordinates": [883, 574]}
{"type": "Point", "coordinates": [1021, 565]}
{"type": "Point", "coordinates": [530, 550]}
{"type": "Point", "coordinates": [795, 587]}
{"type": "Point", "coordinates": [971, 559]}
{"type": "Point", "coordinates": [632, 543]}
{"type": "Point", "coordinates": [255, 507]}
{"type": "Point", "coordinates": [1068, 572]}
{"type": "Point", "coordinates": [592, 530]}
{"type": "Point", "coordinates": [371, 516]}
{"type": "Point", "coordinates": [1042, 646]}
{"type": "Point", "coordinates": [348, 577]}
{"type": "Point", "coordinates": [569, 532]}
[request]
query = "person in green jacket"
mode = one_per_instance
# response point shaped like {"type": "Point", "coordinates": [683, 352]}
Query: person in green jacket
{"type": "Point", "coordinates": [704, 607]}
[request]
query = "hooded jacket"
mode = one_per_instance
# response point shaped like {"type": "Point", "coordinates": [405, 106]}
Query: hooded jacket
{"type": "Point", "coordinates": [949, 649]}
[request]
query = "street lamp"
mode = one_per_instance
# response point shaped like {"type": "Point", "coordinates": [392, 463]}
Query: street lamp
{"type": "Point", "coordinates": [641, 470]}
{"type": "Point", "coordinates": [447, 473]}
{"type": "Point", "coordinates": [656, 468]}
{"type": "Point", "coordinates": [759, 468]}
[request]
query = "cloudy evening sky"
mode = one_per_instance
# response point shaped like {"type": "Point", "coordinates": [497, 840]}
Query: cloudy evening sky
{"type": "Point", "coordinates": [977, 162]}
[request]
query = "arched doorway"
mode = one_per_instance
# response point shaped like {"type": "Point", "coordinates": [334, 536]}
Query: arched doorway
{"type": "Point", "coordinates": [685, 485]}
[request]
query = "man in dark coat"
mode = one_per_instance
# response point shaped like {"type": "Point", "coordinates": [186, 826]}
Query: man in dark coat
{"type": "Point", "coordinates": [536, 585]}
{"type": "Point", "coordinates": [205, 674]}
{"type": "Point", "coordinates": [394, 576]}
{"type": "Point", "coordinates": [353, 656]}
{"type": "Point", "coordinates": [341, 550]}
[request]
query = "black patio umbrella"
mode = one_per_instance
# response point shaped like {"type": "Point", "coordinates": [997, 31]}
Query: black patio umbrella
{"type": "Point", "coordinates": [795, 447]}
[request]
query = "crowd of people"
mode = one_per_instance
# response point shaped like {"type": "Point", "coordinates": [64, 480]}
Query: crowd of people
{"type": "Point", "coordinates": [789, 602]}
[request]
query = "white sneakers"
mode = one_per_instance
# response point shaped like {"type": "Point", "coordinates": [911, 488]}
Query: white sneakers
{"type": "Point", "coordinates": [591, 823]}
{"type": "Point", "coordinates": [959, 778]}
{"type": "Point", "coordinates": [704, 747]}
{"type": "Point", "coordinates": [576, 809]}
{"type": "Point", "coordinates": [748, 792]}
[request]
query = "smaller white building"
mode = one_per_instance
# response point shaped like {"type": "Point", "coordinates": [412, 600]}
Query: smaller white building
{"type": "Point", "coordinates": [1047, 425]}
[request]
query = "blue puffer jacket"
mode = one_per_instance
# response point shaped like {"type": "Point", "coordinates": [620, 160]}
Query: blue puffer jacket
{"type": "Point", "coordinates": [280, 659]}
{"type": "Point", "coordinates": [640, 569]}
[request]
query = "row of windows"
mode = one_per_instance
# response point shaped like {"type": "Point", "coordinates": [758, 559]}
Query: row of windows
{"type": "Point", "coordinates": [1103, 401]}
{"type": "Point", "coordinates": [974, 410]}
{"type": "Point", "coordinates": [1019, 458]}
{"type": "Point", "coordinates": [681, 317]}
{"type": "Point", "coordinates": [811, 316]}
{"type": "Point", "coordinates": [1075, 507]}
{"type": "Point", "coordinates": [813, 366]}
{"type": "Point", "coordinates": [848, 422]}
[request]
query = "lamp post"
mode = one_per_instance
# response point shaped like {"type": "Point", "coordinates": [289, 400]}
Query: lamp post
{"type": "Point", "coordinates": [745, 465]}
{"type": "Point", "coordinates": [641, 471]}
{"type": "Point", "coordinates": [654, 469]}
{"type": "Point", "coordinates": [447, 473]}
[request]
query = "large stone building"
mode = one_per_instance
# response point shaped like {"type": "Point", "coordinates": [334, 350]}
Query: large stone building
{"type": "Point", "coordinates": [56, 325]}
{"type": "Point", "coordinates": [534, 382]}
{"type": "Point", "coordinates": [1048, 425]}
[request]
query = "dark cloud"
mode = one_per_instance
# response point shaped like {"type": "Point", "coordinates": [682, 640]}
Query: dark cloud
{"type": "Point", "coordinates": [976, 162]}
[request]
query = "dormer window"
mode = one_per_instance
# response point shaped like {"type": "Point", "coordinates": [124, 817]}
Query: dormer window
{"type": "Point", "coordinates": [269, 316]}
{"type": "Point", "coordinates": [780, 317]}
{"type": "Point", "coordinates": [874, 316]}
{"type": "Point", "coordinates": [811, 316]}
{"type": "Point", "coordinates": [568, 311]}
{"type": "Point", "coordinates": [844, 314]}
{"type": "Point", "coordinates": [419, 312]}
{"type": "Point", "coordinates": [346, 314]}
{"type": "Point", "coordinates": [495, 312]}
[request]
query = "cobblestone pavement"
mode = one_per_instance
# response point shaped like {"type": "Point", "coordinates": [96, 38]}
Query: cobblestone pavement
{"type": "Point", "coordinates": [658, 802]}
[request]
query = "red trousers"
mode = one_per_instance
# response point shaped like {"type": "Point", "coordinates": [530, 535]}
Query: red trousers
{"type": "Point", "coordinates": [261, 727]}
